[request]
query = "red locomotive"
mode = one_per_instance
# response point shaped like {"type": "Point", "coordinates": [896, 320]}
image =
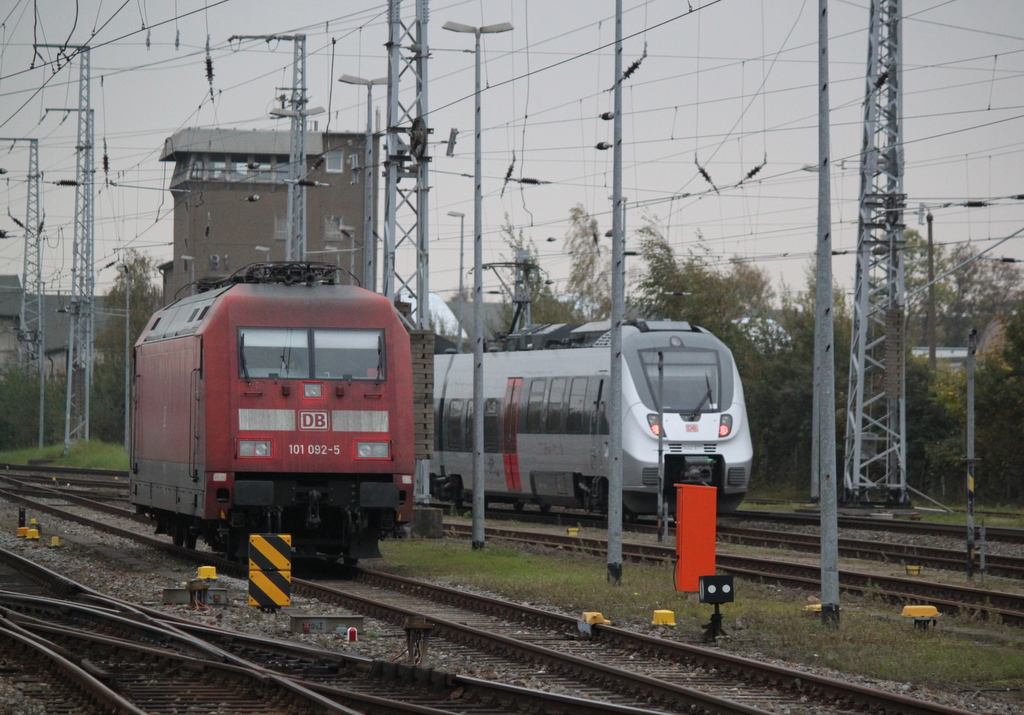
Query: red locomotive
{"type": "Point", "coordinates": [275, 401]}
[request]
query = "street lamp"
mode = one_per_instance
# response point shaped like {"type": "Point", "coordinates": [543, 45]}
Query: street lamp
{"type": "Point", "coordinates": [265, 250]}
{"type": "Point", "coordinates": [369, 242]}
{"type": "Point", "coordinates": [191, 272]}
{"type": "Point", "coordinates": [462, 251]}
{"type": "Point", "coordinates": [478, 288]}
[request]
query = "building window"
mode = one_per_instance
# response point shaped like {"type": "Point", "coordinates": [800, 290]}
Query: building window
{"type": "Point", "coordinates": [280, 227]}
{"type": "Point", "coordinates": [335, 160]}
{"type": "Point", "coordinates": [336, 230]}
{"type": "Point", "coordinates": [260, 168]}
{"type": "Point", "coordinates": [354, 166]}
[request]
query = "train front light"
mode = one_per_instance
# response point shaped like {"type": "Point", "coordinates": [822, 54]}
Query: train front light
{"type": "Point", "coordinates": [255, 448]}
{"type": "Point", "coordinates": [373, 450]}
{"type": "Point", "coordinates": [725, 426]}
{"type": "Point", "coordinates": [652, 420]}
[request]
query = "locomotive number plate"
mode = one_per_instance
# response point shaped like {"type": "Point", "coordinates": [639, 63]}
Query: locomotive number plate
{"type": "Point", "coordinates": [314, 449]}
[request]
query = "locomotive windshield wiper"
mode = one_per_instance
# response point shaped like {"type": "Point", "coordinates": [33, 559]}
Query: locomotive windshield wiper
{"type": "Point", "coordinates": [241, 357]}
{"type": "Point", "coordinates": [707, 396]}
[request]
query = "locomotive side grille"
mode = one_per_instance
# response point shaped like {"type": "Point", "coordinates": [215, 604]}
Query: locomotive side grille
{"type": "Point", "coordinates": [710, 447]}
{"type": "Point", "coordinates": [737, 476]}
{"type": "Point", "coordinates": [650, 476]}
{"type": "Point", "coordinates": [267, 420]}
{"type": "Point", "coordinates": [359, 420]}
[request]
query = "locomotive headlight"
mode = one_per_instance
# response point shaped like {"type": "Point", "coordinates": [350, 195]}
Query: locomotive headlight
{"type": "Point", "coordinates": [313, 389]}
{"type": "Point", "coordinates": [652, 420]}
{"type": "Point", "coordinates": [373, 450]}
{"type": "Point", "coordinates": [725, 426]}
{"type": "Point", "coordinates": [254, 448]}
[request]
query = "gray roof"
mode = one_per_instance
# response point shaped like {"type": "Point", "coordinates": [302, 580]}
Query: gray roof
{"type": "Point", "coordinates": [197, 140]}
{"type": "Point", "coordinates": [56, 327]}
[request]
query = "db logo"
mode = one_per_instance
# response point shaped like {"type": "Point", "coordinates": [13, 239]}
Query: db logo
{"type": "Point", "coordinates": [692, 428]}
{"type": "Point", "coordinates": [313, 420]}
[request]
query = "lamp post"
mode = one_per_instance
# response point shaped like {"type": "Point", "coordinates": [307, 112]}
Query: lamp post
{"type": "Point", "coordinates": [462, 271]}
{"type": "Point", "coordinates": [369, 240]}
{"type": "Point", "coordinates": [191, 272]}
{"type": "Point", "coordinates": [478, 289]}
{"type": "Point", "coordinates": [127, 353]}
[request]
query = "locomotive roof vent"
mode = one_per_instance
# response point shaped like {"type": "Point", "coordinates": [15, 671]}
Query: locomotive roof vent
{"type": "Point", "coordinates": [283, 272]}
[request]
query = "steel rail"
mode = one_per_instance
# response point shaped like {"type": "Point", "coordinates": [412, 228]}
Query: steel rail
{"type": "Point", "coordinates": [1008, 606]}
{"type": "Point", "coordinates": [818, 687]}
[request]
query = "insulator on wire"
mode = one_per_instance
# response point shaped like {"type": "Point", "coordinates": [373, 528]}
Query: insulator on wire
{"type": "Point", "coordinates": [636, 63]}
{"type": "Point", "coordinates": [66, 182]}
{"type": "Point", "coordinates": [753, 172]}
{"type": "Point", "coordinates": [705, 174]}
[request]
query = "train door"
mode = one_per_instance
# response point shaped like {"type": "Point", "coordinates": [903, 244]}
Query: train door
{"type": "Point", "coordinates": [594, 420]}
{"type": "Point", "coordinates": [509, 438]}
{"type": "Point", "coordinates": [196, 460]}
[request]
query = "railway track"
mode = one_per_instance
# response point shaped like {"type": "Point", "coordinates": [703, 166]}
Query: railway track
{"type": "Point", "coordinates": [728, 532]}
{"type": "Point", "coordinates": [950, 598]}
{"type": "Point", "coordinates": [693, 670]}
{"type": "Point", "coordinates": [1007, 534]}
{"type": "Point", "coordinates": [132, 659]}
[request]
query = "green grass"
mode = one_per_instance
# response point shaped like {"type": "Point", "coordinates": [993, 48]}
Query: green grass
{"type": "Point", "coordinates": [765, 619]}
{"type": "Point", "coordinates": [88, 455]}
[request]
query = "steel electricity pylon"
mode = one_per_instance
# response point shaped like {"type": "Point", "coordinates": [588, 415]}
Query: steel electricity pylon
{"type": "Point", "coordinates": [83, 271]}
{"type": "Point", "coordinates": [407, 159]}
{"type": "Point", "coordinates": [31, 345]}
{"type": "Point", "coordinates": [876, 457]}
{"type": "Point", "coordinates": [297, 111]}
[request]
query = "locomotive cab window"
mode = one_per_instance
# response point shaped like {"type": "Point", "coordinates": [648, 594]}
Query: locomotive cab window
{"type": "Point", "coordinates": [304, 354]}
{"type": "Point", "coordinates": [348, 354]}
{"type": "Point", "coordinates": [274, 352]}
{"type": "Point", "coordinates": [691, 379]}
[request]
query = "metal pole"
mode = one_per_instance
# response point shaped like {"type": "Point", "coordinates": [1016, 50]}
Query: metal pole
{"type": "Point", "coordinates": [41, 357]}
{"type": "Point", "coordinates": [369, 236]}
{"type": "Point", "coordinates": [618, 309]}
{"type": "Point", "coordinates": [824, 342]}
{"type": "Point", "coordinates": [931, 296]}
{"type": "Point", "coordinates": [972, 347]}
{"type": "Point", "coordinates": [662, 516]}
{"type": "Point", "coordinates": [127, 354]}
{"type": "Point", "coordinates": [478, 327]}
{"type": "Point", "coordinates": [462, 273]}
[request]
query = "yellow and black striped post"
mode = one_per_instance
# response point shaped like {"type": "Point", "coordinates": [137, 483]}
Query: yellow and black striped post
{"type": "Point", "coordinates": [270, 571]}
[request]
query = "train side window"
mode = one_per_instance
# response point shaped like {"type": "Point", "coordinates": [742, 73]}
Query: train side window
{"type": "Point", "coordinates": [577, 398]}
{"type": "Point", "coordinates": [492, 425]}
{"type": "Point", "coordinates": [438, 424]}
{"type": "Point", "coordinates": [468, 440]}
{"type": "Point", "coordinates": [454, 426]}
{"type": "Point", "coordinates": [553, 423]}
{"type": "Point", "coordinates": [595, 389]}
{"type": "Point", "coordinates": [535, 406]}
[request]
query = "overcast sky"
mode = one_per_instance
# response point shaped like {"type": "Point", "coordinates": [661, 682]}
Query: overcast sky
{"type": "Point", "coordinates": [731, 85]}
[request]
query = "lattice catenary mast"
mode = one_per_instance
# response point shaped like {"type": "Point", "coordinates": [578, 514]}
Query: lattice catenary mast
{"type": "Point", "coordinates": [876, 408]}
{"type": "Point", "coordinates": [407, 157]}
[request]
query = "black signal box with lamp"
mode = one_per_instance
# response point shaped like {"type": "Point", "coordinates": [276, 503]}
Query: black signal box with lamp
{"type": "Point", "coordinates": [716, 590]}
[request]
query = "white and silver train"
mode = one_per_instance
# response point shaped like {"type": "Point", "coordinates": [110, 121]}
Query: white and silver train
{"type": "Point", "coordinates": [546, 431]}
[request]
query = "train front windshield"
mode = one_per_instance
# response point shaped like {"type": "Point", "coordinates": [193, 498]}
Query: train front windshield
{"type": "Point", "coordinates": [303, 353]}
{"type": "Point", "coordinates": [690, 379]}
